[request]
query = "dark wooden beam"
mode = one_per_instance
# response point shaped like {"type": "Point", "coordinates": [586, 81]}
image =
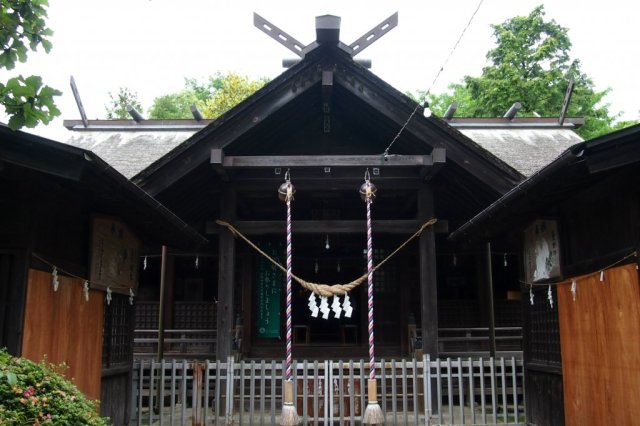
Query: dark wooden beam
{"type": "Point", "coordinates": [294, 161]}
{"type": "Point", "coordinates": [226, 266]}
{"type": "Point", "coordinates": [328, 227]}
{"type": "Point", "coordinates": [438, 160]}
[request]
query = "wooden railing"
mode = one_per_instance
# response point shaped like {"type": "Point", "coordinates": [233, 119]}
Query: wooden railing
{"type": "Point", "coordinates": [193, 344]}
{"type": "Point", "coordinates": [416, 392]}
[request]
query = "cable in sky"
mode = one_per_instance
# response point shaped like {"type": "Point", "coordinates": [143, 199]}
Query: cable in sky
{"type": "Point", "coordinates": [444, 64]}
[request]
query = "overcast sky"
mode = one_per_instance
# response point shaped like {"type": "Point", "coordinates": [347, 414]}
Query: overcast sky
{"type": "Point", "coordinates": [151, 45]}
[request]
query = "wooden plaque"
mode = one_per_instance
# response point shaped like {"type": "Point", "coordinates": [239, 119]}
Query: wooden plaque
{"type": "Point", "coordinates": [115, 253]}
{"type": "Point", "coordinates": [542, 251]}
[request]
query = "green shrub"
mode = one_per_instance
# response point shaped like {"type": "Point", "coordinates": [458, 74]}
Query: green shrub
{"type": "Point", "coordinates": [37, 394]}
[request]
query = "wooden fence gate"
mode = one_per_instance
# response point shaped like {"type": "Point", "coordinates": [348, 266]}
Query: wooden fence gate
{"type": "Point", "coordinates": [410, 392]}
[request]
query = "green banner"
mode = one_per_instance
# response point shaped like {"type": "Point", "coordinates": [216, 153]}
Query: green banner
{"type": "Point", "coordinates": [268, 284]}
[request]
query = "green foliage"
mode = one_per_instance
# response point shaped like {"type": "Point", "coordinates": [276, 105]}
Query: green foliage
{"type": "Point", "coordinates": [234, 89]}
{"type": "Point", "coordinates": [213, 97]}
{"type": "Point", "coordinates": [117, 109]}
{"type": "Point", "coordinates": [174, 105]}
{"type": "Point", "coordinates": [27, 101]}
{"type": "Point", "coordinates": [531, 65]}
{"type": "Point", "coordinates": [36, 394]}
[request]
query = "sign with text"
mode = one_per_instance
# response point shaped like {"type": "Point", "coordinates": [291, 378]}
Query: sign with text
{"type": "Point", "coordinates": [269, 282]}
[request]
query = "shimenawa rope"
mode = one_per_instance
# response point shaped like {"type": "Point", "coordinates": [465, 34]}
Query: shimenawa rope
{"type": "Point", "coordinates": [326, 290]}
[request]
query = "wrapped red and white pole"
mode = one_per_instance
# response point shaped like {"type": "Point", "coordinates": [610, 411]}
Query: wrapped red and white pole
{"type": "Point", "coordinates": [373, 413]}
{"type": "Point", "coordinates": [289, 415]}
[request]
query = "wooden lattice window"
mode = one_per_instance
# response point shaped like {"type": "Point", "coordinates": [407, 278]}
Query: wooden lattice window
{"type": "Point", "coordinates": [543, 330]}
{"type": "Point", "coordinates": [117, 346]}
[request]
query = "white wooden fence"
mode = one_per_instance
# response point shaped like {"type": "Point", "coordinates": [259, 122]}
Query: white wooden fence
{"type": "Point", "coordinates": [410, 392]}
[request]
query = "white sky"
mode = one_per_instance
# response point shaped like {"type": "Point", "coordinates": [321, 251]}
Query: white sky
{"type": "Point", "coordinates": [150, 45]}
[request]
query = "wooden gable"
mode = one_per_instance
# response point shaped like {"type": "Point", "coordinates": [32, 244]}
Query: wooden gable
{"type": "Point", "coordinates": [327, 105]}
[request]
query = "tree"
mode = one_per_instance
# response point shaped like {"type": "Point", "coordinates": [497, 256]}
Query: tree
{"type": "Point", "coordinates": [234, 89]}
{"type": "Point", "coordinates": [530, 64]}
{"type": "Point", "coordinates": [119, 104]}
{"type": "Point", "coordinates": [213, 97]}
{"type": "Point", "coordinates": [27, 101]}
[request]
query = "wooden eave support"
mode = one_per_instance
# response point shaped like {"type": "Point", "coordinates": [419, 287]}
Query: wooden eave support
{"type": "Point", "coordinates": [262, 227]}
{"type": "Point", "coordinates": [218, 159]}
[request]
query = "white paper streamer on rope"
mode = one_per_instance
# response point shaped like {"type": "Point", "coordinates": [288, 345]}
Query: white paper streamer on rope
{"type": "Point", "coordinates": [54, 279]}
{"type": "Point", "coordinates": [602, 276]}
{"type": "Point", "coordinates": [335, 306]}
{"type": "Point", "coordinates": [313, 305]}
{"type": "Point", "coordinates": [144, 264]}
{"type": "Point", "coordinates": [550, 296]}
{"type": "Point", "coordinates": [531, 295]}
{"type": "Point", "coordinates": [197, 261]}
{"type": "Point", "coordinates": [131, 296]}
{"type": "Point", "coordinates": [85, 290]}
{"type": "Point", "coordinates": [108, 296]}
{"type": "Point", "coordinates": [574, 289]}
{"type": "Point", "coordinates": [346, 306]}
{"type": "Point", "coordinates": [324, 307]}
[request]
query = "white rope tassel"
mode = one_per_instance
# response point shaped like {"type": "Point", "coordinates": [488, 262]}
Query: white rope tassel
{"type": "Point", "coordinates": [602, 277]}
{"type": "Point", "coordinates": [574, 289]}
{"type": "Point", "coordinates": [550, 296]}
{"type": "Point", "coordinates": [108, 297]}
{"type": "Point", "coordinates": [313, 305]}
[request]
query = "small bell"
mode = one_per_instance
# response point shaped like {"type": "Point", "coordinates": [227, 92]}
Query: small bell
{"type": "Point", "coordinates": [367, 189]}
{"type": "Point", "coordinates": [286, 190]}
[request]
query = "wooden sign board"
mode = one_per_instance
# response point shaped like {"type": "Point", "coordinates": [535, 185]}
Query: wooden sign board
{"type": "Point", "coordinates": [542, 251]}
{"type": "Point", "coordinates": [115, 253]}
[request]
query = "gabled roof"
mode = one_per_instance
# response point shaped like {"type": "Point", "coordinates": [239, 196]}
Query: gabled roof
{"type": "Point", "coordinates": [574, 172]}
{"type": "Point", "coordinates": [95, 183]}
{"type": "Point", "coordinates": [275, 117]}
{"type": "Point", "coordinates": [526, 144]}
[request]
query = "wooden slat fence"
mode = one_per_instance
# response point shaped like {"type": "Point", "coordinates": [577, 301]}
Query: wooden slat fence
{"type": "Point", "coordinates": [411, 392]}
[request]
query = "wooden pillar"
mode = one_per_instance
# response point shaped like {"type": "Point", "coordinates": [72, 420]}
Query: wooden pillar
{"type": "Point", "coordinates": [492, 319]}
{"type": "Point", "coordinates": [169, 299]}
{"type": "Point", "coordinates": [428, 284]}
{"type": "Point", "coordinates": [161, 302]}
{"type": "Point", "coordinates": [226, 266]}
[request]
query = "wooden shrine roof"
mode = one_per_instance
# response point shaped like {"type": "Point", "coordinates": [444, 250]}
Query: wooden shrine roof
{"type": "Point", "coordinates": [94, 182]}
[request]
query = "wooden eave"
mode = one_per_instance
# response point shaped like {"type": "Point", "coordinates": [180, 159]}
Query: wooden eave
{"type": "Point", "coordinates": [585, 170]}
{"type": "Point", "coordinates": [98, 185]}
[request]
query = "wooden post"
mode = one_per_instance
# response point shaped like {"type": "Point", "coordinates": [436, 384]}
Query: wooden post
{"type": "Point", "coordinates": [428, 284]}
{"type": "Point", "coordinates": [492, 319]}
{"type": "Point", "coordinates": [226, 266]}
{"type": "Point", "coordinates": [161, 302]}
